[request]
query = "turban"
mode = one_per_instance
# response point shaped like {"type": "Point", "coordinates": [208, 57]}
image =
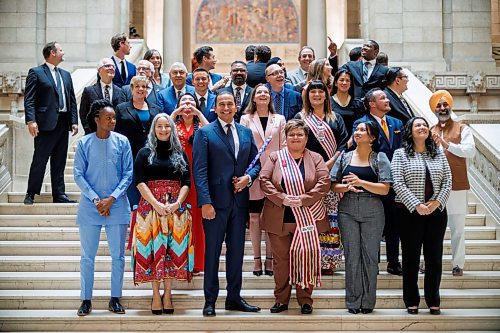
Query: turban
{"type": "Point", "coordinates": [437, 96]}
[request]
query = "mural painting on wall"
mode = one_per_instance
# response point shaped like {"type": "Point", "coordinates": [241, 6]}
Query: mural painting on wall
{"type": "Point", "coordinates": [247, 21]}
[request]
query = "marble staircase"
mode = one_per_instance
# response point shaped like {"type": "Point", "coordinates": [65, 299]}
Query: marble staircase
{"type": "Point", "coordinates": [39, 284]}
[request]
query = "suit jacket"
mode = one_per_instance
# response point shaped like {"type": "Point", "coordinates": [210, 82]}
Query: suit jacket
{"type": "Point", "coordinates": [210, 105]}
{"type": "Point", "coordinates": [296, 76]}
{"type": "Point", "coordinates": [41, 100]}
{"type": "Point", "coordinates": [395, 141]}
{"type": "Point", "coordinates": [292, 105]}
{"type": "Point", "coordinates": [316, 183]}
{"type": "Point", "coordinates": [245, 99]}
{"type": "Point", "coordinates": [256, 73]}
{"type": "Point", "coordinates": [129, 124]}
{"type": "Point", "coordinates": [131, 72]}
{"type": "Point", "coordinates": [152, 97]}
{"type": "Point", "coordinates": [374, 81]}
{"type": "Point", "coordinates": [275, 126]}
{"type": "Point", "coordinates": [167, 100]}
{"type": "Point", "coordinates": [91, 94]}
{"type": "Point", "coordinates": [398, 109]}
{"type": "Point", "coordinates": [214, 165]}
{"type": "Point", "coordinates": [214, 77]}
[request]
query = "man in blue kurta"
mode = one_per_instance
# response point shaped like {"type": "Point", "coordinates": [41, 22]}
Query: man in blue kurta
{"type": "Point", "coordinates": [103, 171]}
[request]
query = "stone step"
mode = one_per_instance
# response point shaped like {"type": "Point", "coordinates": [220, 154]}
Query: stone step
{"type": "Point", "coordinates": [71, 280]}
{"type": "Point", "coordinates": [18, 197]}
{"type": "Point", "coordinates": [38, 209]}
{"type": "Point", "coordinates": [70, 187]}
{"type": "Point", "coordinates": [189, 320]}
{"type": "Point", "coordinates": [264, 298]}
{"type": "Point", "coordinates": [72, 247]}
{"type": "Point", "coordinates": [103, 263]}
{"type": "Point", "coordinates": [72, 233]}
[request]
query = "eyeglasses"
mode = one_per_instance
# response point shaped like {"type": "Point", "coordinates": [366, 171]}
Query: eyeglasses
{"type": "Point", "coordinates": [108, 66]}
{"type": "Point", "coordinates": [294, 135]}
{"type": "Point", "coordinates": [143, 68]}
{"type": "Point", "coordinates": [276, 73]}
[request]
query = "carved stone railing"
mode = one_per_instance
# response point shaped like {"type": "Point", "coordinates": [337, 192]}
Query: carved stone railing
{"type": "Point", "coordinates": [5, 152]}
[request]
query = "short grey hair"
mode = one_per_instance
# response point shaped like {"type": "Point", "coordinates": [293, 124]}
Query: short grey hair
{"type": "Point", "coordinates": [178, 64]}
{"type": "Point", "coordinates": [103, 62]}
{"type": "Point", "coordinates": [147, 63]}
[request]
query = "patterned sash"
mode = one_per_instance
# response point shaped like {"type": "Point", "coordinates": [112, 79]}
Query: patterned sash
{"type": "Point", "coordinates": [261, 151]}
{"type": "Point", "coordinates": [329, 144]}
{"type": "Point", "coordinates": [305, 255]}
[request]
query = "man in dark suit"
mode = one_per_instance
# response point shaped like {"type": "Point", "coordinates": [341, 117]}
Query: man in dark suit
{"type": "Point", "coordinates": [205, 57]}
{"type": "Point", "coordinates": [238, 87]}
{"type": "Point", "coordinates": [287, 102]}
{"type": "Point", "coordinates": [144, 68]}
{"type": "Point", "coordinates": [366, 74]}
{"type": "Point", "coordinates": [222, 152]}
{"type": "Point", "coordinates": [397, 83]}
{"type": "Point", "coordinates": [390, 139]}
{"type": "Point", "coordinates": [257, 70]}
{"type": "Point", "coordinates": [50, 113]}
{"type": "Point", "coordinates": [167, 98]}
{"type": "Point", "coordinates": [103, 88]}
{"type": "Point", "coordinates": [126, 70]}
{"type": "Point", "coordinates": [205, 97]}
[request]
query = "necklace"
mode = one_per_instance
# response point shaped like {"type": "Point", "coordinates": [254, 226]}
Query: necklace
{"type": "Point", "coordinates": [336, 99]}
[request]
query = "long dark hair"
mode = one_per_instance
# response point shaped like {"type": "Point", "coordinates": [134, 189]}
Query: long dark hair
{"type": "Point", "coordinates": [373, 131]}
{"type": "Point", "coordinates": [327, 108]}
{"type": "Point", "coordinates": [196, 120]}
{"type": "Point", "coordinates": [337, 77]}
{"type": "Point", "coordinates": [96, 108]}
{"type": "Point", "coordinates": [408, 142]}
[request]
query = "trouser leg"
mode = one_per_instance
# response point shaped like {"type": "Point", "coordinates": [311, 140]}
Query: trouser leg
{"type": "Point", "coordinates": [116, 234]}
{"type": "Point", "coordinates": [89, 243]}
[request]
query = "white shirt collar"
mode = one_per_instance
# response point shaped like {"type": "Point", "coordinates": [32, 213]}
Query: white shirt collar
{"type": "Point", "coordinates": [51, 67]}
{"type": "Point", "coordinates": [372, 62]}
{"type": "Point", "coordinates": [200, 96]}
{"type": "Point", "coordinates": [243, 87]}
{"type": "Point", "coordinates": [303, 72]}
{"type": "Point", "coordinates": [379, 120]}
{"type": "Point", "coordinates": [118, 60]}
{"type": "Point", "coordinates": [223, 123]}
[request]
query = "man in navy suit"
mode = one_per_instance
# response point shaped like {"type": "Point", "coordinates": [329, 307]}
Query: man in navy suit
{"type": "Point", "coordinates": [397, 83]}
{"type": "Point", "coordinates": [205, 97]}
{"type": "Point", "coordinates": [205, 57]}
{"type": "Point", "coordinates": [103, 88]}
{"type": "Point", "coordinates": [167, 98]}
{"type": "Point", "coordinates": [366, 74]}
{"type": "Point", "coordinates": [239, 88]}
{"type": "Point", "coordinates": [126, 70]}
{"type": "Point", "coordinates": [257, 69]}
{"type": "Point", "coordinates": [223, 150]}
{"type": "Point", "coordinates": [50, 113]}
{"type": "Point", "coordinates": [390, 139]}
{"type": "Point", "coordinates": [287, 102]}
{"type": "Point", "coordinates": [144, 68]}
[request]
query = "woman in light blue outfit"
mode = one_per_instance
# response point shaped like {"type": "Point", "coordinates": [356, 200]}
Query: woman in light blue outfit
{"type": "Point", "coordinates": [160, 78]}
{"type": "Point", "coordinates": [103, 171]}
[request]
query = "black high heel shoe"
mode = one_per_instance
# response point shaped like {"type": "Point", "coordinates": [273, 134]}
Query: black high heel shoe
{"type": "Point", "coordinates": [412, 311]}
{"type": "Point", "coordinates": [435, 311]}
{"type": "Point", "coordinates": [269, 272]}
{"type": "Point", "coordinates": [157, 312]}
{"type": "Point", "coordinates": [166, 311]}
{"type": "Point", "coordinates": [258, 272]}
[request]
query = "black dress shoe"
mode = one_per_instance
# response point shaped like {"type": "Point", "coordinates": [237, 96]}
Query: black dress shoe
{"type": "Point", "coordinates": [29, 199]}
{"type": "Point", "coordinates": [63, 198]}
{"type": "Point", "coordinates": [354, 311]}
{"type": "Point", "coordinates": [209, 309]}
{"type": "Point", "coordinates": [115, 306]}
{"type": "Point", "coordinates": [85, 308]}
{"type": "Point", "coordinates": [277, 308]}
{"type": "Point", "coordinates": [366, 311]}
{"type": "Point", "coordinates": [435, 312]}
{"type": "Point", "coordinates": [412, 311]}
{"type": "Point", "coordinates": [306, 309]}
{"type": "Point", "coordinates": [395, 269]}
{"type": "Point", "coordinates": [241, 305]}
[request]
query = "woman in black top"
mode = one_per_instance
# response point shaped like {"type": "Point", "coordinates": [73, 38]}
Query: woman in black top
{"type": "Point", "coordinates": [161, 228]}
{"type": "Point", "coordinates": [343, 101]}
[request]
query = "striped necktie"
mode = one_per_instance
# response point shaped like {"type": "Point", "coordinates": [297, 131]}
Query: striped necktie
{"type": "Point", "coordinates": [365, 71]}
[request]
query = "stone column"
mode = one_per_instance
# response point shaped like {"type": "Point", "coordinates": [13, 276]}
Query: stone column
{"type": "Point", "coordinates": [172, 32]}
{"type": "Point", "coordinates": [316, 27]}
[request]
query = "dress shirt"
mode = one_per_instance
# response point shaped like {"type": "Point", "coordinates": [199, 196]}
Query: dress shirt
{"type": "Point", "coordinates": [281, 95]}
{"type": "Point", "coordinates": [110, 89]}
{"type": "Point", "coordinates": [466, 148]}
{"type": "Point", "coordinates": [53, 73]}
{"type": "Point", "coordinates": [379, 120]}
{"type": "Point", "coordinates": [371, 67]}
{"type": "Point", "coordinates": [200, 96]}
{"type": "Point", "coordinates": [243, 88]}
{"type": "Point", "coordinates": [235, 135]}
{"type": "Point", "coordinates": [119, 63]}
{"type": "Point", "coordinates": [183, 91]}
{"type": "Point", "coordinates": [303, 72]}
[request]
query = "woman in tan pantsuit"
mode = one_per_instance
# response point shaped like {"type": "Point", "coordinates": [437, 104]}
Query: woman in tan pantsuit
{"type": "Point", "coordinates": [294, 181]}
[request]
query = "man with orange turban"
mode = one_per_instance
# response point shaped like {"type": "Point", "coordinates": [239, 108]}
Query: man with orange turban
{"type": "Point", "coordinates": [457, 142]}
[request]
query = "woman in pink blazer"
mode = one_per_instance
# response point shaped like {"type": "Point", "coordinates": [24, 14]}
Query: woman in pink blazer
{"type": "Point", "coordinates": [268, 130]}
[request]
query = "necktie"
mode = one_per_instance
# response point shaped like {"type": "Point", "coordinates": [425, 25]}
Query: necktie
{"type": "Point", "coordinates": [230, 138]}
{"type": "Point", "coordinates": [407, 107]}
{"type": "Point", "coordinates": [277, 104]}
{"type": "Point", "coordinates": [179, 93]}
{"type": "Point", "coordinates": [59, 88]}
{"type": "Point", "coordinates": [237, 97]}
{"type": "Point", "coordinates": [385, 128]}
{"type": "Point", "coordinates": [122, 71]}
{"type": "Point", "coordinates": [203, 105]}
{"type": "Point", "coordinates": [365, 71]}
{"type": "Point", "coordinates": [106, 93]}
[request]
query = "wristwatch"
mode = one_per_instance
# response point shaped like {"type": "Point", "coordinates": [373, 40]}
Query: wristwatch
{"type": "Point", "coordinates": [95, 200]}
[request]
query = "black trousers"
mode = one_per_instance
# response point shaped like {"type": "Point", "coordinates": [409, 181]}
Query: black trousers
{"type": "Point", "coordinates": [54, 145]}
{"type": "Point", "coordinates": [391, 229]}
{"type": "Point", "coordinates": [419, 231]}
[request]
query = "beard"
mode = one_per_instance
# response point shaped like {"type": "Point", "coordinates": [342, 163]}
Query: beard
{"type": "Point", "coordinates": [239, 80]}
{"type": "Point", "coordinates": [443, 117]}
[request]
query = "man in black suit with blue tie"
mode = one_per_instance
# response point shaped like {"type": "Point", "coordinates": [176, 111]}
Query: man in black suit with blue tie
{"type": "Point", "coordinates": [223, 151]}
{"type": "Point", "coordinates": [50, 113]}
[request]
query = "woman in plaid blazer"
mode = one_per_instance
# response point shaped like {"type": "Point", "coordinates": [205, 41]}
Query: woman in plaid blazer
{"type": "Point", "coordinates": [422, 182]}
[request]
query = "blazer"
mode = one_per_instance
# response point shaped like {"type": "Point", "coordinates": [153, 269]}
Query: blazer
{"type": "Point", "coordinates": [214, 77]}
{"type": "Point", "coordinates": [131, 72]}
{"type": "Point", "coordinates": [256, 73]}
{"type": "Point", "coordinates": [398, 109]}
{"type": "Point", "coordinates": [379, 163]}
{"type": "Point", "coordinates": [129, 124]}
{"type": "Point", "coordinates": [374, 81]}
{"type": "Point", "coordinates": [316, 183]}
{"type": "Point", "coordinates": [152, 97]}
{"type": "Point", "coordinates": [210, 106]}
{"type": "Point", "coordinates": [275, 126]}
{"type": "Point", "coordinates": [293, 102]}
{"type": "Point", "coordinates": [409, 178]}
{"type": "Point", "coordinates": [245, 99]}
{"type": "Point", "coordinates": [214, 165]}
{"type": "Point", "coordinates": [91, 94]}
{"type": "Point", "coordinates": [41, 100]}
{"type": "Point", "coordinates": [296, 76]}
{"type": "Point", "coordinates": [167, 100]}
{"type": "Point", "coordinates": [395, 141]}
